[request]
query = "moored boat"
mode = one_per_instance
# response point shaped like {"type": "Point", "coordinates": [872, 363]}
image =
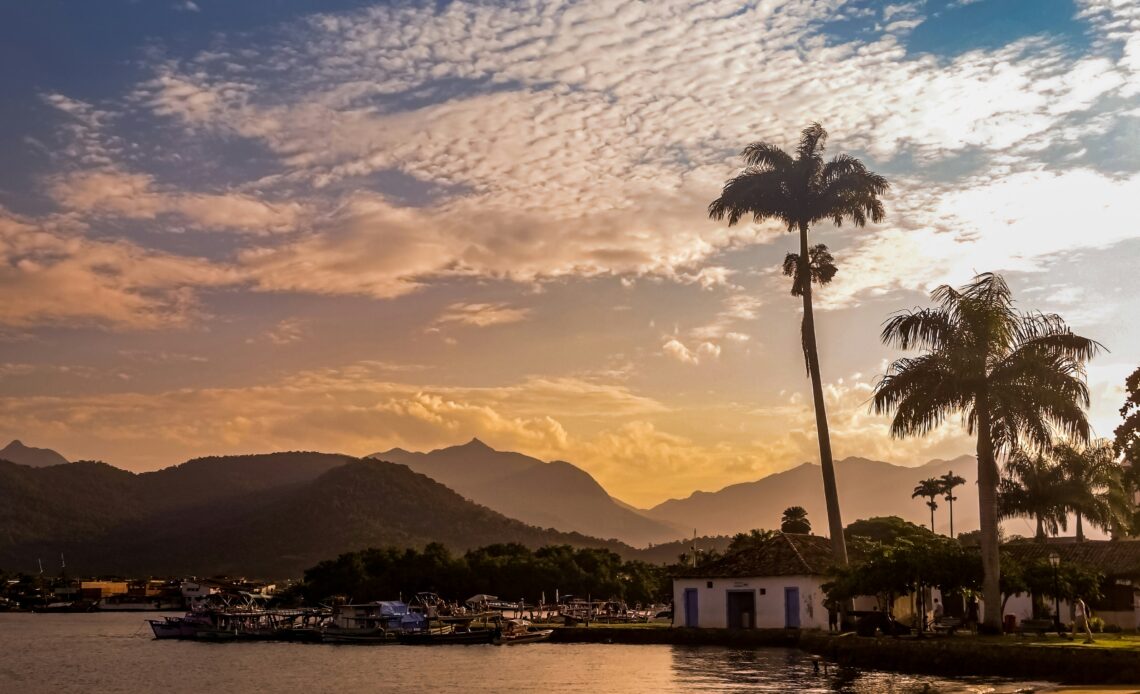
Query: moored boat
{"type": "Point", "coordinates": [520, 631]}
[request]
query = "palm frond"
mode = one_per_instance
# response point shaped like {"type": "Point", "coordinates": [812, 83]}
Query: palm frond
{"type": "Point", "coordinates": [918, 329]}
{"type": "Point", "coordinates": [763, 155]}
{"type": "Point", "coordinates": [813, 140]}
{"type": "Point", "coordinates": [761, 194]}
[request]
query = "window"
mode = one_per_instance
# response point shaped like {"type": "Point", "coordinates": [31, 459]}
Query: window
{"type": "Point", "coordinates": [708, 584]}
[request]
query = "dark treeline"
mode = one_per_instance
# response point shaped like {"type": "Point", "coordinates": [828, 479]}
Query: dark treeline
{"type": "Point", "coordinates": [510, 571]}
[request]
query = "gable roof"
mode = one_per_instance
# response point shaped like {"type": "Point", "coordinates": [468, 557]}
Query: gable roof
{"type": "Point", "coordinates": [1113, 558]}
{"type": "Point", "coordinates": [784, 554]}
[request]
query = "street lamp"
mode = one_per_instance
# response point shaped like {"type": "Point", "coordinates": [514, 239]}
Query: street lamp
{"type": "Point", "coordinates": [1055, 561]}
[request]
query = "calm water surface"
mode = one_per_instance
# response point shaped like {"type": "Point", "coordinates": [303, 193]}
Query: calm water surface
{"type": "Point", "coordinates": [96, 653]}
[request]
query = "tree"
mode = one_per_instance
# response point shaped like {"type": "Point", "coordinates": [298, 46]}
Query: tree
{"type": "Point", "coordinates": [1128, 433]}
{"type": "Point", "coordinates": [949, 482]}
{"type": "Point", "coordinates": [800, 192]}
{"type": "Point", "coordinates": [1034, 487]}
{"type": "Point", "coordinates": [1097, 487]}
{"type": "Point", "coordinates": [795, 520]}
{"type": "Point", "coordinates": [749, 540]}
{"type": "Point", "coordinates": [930, 490]}
{"type": "Point", "coordinates": [1015, 378]}
{"type": "Point", "coordinates": [1128, 441]}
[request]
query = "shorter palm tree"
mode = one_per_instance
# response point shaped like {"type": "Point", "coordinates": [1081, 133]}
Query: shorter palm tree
{"type": "Point", "coordinates": [1096, 486]}
{"type": "Point", "coordinates": [795, 520]}
{"type": "Point", "coordinates": [949, 481]}
{"type": "Point", "coordinates": [929, 489]}
{"type": "Point", "coordinates": [1034, 487]}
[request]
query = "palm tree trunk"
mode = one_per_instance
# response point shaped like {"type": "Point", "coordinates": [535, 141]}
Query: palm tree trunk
{"type": "Point", "coordinates": [951, 502]}
{"type": "Point", "coordinates": [932, 516]}
{"type": "Point", "coordinates": [830, 490]}
{"type": "Point", "coordinates": [1080, 529]}
{"type": "Point", "coordinates": [988, 520]}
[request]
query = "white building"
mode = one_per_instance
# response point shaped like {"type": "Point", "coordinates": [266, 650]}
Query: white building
{"type": "Point", "coordinates": [1118, 561]}
{"type": "Point", "coordinates": [774, 586]}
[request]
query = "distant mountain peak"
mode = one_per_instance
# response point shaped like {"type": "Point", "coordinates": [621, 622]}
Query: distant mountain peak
{"type": "Point", "coordinates": [17, 452]}
{"type": "Point", "coordinates": [476, 444]}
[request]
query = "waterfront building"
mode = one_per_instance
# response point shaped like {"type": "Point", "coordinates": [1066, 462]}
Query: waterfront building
{"type": "Point", "coordinates": [774, 585]}
{"type": "Point", "coordinates": [1117, 560]}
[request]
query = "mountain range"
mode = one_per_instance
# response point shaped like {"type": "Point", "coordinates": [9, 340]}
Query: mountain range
{"type": "Point", "coordinates": [270, 515]}
{"type": "Point", "coordinates": [549, 495]}
{"type": "Point", "coordinates": [276, 514]}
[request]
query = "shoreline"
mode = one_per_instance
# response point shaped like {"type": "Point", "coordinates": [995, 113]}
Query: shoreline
{"type": "Point", "coordinates": [944, 655]}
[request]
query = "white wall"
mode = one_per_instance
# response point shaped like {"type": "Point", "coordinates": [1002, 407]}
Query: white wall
{"type": "Point", "coordinates": [712, 603]}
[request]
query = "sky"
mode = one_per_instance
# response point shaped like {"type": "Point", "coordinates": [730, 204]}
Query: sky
{"type": "Point", "coordinates": [348, 226]}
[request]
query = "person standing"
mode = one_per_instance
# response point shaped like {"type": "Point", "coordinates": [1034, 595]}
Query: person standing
{"type": "Point", "coordinates": [832, 617]}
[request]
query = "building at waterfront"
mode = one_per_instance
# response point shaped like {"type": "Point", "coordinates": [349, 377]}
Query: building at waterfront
{"type": "Point", "coordinates": [773, 585]}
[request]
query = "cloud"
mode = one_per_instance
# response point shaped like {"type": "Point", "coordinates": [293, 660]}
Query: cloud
{"type": "Point", "coordinates": [481, 315]}
{"type": "Point", "coordinates": [584, 139]}
{"type": "Point", "coordinates": [287, 331]}
{"type": "Point", "coordinates": [114, 193]}
{"type": "Point", "coordinates": [705, 351]}
{"type": "Point", "coordinates": [1013, 222]}
{"type": "Point", "coordinates": [54, 274]}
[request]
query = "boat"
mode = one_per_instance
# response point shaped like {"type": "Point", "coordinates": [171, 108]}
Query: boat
{"type": "Point", "coordinates": [374, 622]}
{"type": "Point", "coordinates": [519, 631]}
{"type": "Point", "coordinates": [61, 607]}
{"type": "Point", "coordinates": [454, 636]}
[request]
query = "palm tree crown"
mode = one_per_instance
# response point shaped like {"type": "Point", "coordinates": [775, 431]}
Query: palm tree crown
{"type": "Point", "coordinates": [1015, 378]}
{"type": "Point", "coordinates": [1033, 486]}
{"type": "Point", "coordinates": [800, 191]}
{"type": "Point", "coordinates": [1097, 486]}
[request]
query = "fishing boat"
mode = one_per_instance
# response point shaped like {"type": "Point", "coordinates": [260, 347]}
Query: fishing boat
{"type": "Point", "coordinates": [373, 623]}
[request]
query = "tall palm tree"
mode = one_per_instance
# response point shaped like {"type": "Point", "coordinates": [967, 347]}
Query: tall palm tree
{"type": "Point", "coordinates": [1097, 487]}
{"type": "Point", "coordinates": [1016, 379]}
{"type": "Point", "coordinates": [949, 482]}
{"type": "Point", "coordinates": [798, 192]}
{"type": "Point", "coordinates": [1034, 486]}
{"type": "Point", "coordinates": [930, 490]}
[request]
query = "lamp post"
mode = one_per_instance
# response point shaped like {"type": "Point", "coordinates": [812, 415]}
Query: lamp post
{"type": "Point", "coordinates": [1055, 561]}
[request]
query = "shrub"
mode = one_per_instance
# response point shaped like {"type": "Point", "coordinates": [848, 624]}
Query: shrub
{"type": "Point", "coordinates": [1096, 625]}
{"type": "Point", "coordinates": [1111, 628]}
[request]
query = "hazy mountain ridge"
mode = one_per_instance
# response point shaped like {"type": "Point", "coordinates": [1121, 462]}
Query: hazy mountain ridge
{"type": "Point", "coordinates": [17, 452]}
{"type": "Point", "coordinates": [867, 488]}
{"type": "Point", "coordinates": [557, 494]}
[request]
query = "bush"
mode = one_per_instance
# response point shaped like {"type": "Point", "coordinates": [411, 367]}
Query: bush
{"type": "Point", "coordinates": [1096, 625]}
{"type": "Point", "coordinates": [1111, 628]}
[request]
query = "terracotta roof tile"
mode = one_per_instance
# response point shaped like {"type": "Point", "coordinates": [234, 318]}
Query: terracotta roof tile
{"type": "Point", "coordinates": [785, 554]}
{"type": "Point", "coordinates": [1113, 558]}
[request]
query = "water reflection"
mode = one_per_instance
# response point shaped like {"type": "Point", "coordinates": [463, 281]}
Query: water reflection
{"type": "Point", "coordinates": [711, 669]}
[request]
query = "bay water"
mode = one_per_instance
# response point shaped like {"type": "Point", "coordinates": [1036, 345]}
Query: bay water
{"type": "Point", "coordinates": [115, 653]}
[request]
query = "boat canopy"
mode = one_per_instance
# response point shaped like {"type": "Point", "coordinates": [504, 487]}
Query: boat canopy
{"type": "Point", "coordinates": [392, 607]}
{"type": "Point", "coordinates": [482, 598]}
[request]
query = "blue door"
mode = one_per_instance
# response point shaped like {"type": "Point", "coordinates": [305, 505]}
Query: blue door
{"type": "Point", "coordinates": [792, 608]}
{"type": "Point", "coordinates": [690, 607]}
